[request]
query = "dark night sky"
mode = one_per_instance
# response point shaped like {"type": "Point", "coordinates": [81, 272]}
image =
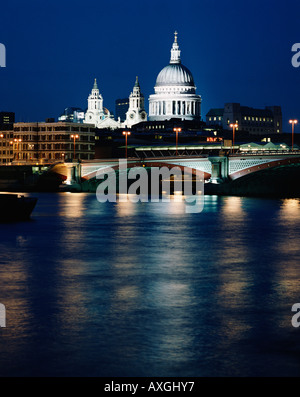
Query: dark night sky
{"type": "Point", "coordinates": [238, 51]}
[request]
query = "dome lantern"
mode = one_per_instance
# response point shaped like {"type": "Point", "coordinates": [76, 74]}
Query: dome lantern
{"type": "Point", "coordinates": [175, 51]}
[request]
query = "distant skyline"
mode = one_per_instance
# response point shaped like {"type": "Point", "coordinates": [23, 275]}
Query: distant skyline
{"type": "Point", "coordinates": [236, 51]}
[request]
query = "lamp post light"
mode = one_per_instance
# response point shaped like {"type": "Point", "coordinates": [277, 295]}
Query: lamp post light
{"type": "Point", "coordinates": [74, 137]}
{"type": "Point", "coordinates": [177, 130]}
{"type": "Point", "coordinates": [233, 126]}
{"type": "Point", "coordinates": [17, 141]}
{"type": "Point", "coordinates": [293, 122]}
{"type": "Point", "coordinates": [126, 133]}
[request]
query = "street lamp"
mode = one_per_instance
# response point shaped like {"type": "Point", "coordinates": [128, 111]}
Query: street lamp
{"type": "Point", "coordinates": [17, 141]}
{"type": "Point", "coordinates": [74, 137]}
{"type": "Point", "coordinates": [293, 122]}
{"type": "Point", "coordinates": [233, 126]}
{"type": "Point", "coordinates": [176, 129]}
{"type": "Point", "coordinates": [126, 133]}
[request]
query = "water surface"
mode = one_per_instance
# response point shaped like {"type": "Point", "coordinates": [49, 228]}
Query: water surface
{"type": "Point", "coordinates": [123, 289]}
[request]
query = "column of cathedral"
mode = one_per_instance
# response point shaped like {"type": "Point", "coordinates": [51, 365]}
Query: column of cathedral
{"type": "Point", "coordinates": [175, 108]}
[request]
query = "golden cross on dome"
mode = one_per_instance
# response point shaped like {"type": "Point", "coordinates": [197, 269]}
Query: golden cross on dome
{"type": "Point", "coordinates": [175, 34]}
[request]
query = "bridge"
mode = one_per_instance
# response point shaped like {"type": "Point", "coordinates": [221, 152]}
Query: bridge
{"type": "Point", "coordinates": [217, 170]}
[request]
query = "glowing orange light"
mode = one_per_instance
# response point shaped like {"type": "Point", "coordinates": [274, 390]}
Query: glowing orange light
{"type": "Point", "coordinates": [293, 122]}
{"type": "Point", "coordinates": [233, 126]}
{"type": "Point", "coordinates": [177, 129]}
{"type": "Point", "coordinates": [126, 133]}
{"type": "Point", "coordinates": [74, 137]}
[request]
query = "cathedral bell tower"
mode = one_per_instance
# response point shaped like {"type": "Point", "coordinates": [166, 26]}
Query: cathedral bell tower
{"type": "Point", "coordinates": [95, 106]}
{"type": "Point", "coordinates": [136, 111]}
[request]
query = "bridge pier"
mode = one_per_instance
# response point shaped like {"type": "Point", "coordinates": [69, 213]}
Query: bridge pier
{"type": "Point", "coordinates": [74, 173]}
{"type": "Point", "coordinates": [219, 169]}
{"type": "Point", "coordinates": [77, 173]}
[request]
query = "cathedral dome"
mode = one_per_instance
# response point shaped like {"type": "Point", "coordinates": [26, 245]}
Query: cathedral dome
{"type": "Point", "coordinates": [175, 74]}
{"type": "Point", "coordinates": [175, 91]}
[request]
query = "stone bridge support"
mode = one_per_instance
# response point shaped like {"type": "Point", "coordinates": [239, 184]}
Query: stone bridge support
{"type": "Point", "coordinates": [219, 169]}
{"type": "Point", "coordinates": [73, 173]}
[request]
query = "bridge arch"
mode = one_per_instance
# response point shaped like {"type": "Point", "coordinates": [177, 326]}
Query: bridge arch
{"type": "Point", "coordinates": [148, 164]}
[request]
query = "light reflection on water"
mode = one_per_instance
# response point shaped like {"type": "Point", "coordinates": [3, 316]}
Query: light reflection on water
{"type": "Point", "coordinates": [126, 289]}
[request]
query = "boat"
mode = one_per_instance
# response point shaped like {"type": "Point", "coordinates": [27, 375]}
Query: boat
{"type": "Point", "coordinates": [15, 207]}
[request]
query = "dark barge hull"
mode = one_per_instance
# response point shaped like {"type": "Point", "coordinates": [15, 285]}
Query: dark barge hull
{"type": "Point", "coordinates": [14, 207]}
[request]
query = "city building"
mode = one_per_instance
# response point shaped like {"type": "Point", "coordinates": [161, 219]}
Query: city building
{"type": "Point", "coordinates": [175, 101]}
{"type": "Point", "coordinates": [175, 91]}
{"type": "Point", "coordinates": [121, 108]}
{"type": "Point", "coordinates": [74, 115]}
{"type": "Point", "coordinates": [6, 143]}
{"type": "Point", "coordinates": [215, 117]}
{"type": "Point", "coordinates": [136, 111]}
{"type": "Point", "coordinates": [6, 118]}
{"type": "Point", "coordinates": [254, 121]}
{"type": "Point", "coordinates": [51, 142]}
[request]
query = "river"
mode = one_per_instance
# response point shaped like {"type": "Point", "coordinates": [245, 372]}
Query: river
{"type": "Point", "coordinates": [145, 289]}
